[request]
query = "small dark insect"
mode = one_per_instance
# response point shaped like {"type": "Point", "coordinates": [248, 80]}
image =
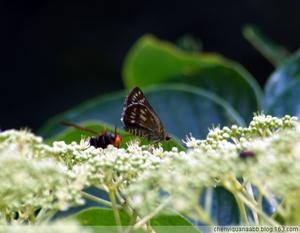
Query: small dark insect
{"type": "Point", "coordinates": [246, 154]}
{"type": "Point", "coordinates": [140, 119]}
{"type": "Point", "coordinates": [99, 140]}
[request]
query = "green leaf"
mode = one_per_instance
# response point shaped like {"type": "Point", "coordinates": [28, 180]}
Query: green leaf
{"type": "Point", "coordinates": [275, 53]}
{"type": "Point", "coordinates": [225, 211]}
{"type": "Point", "coordinates": [182, 109]}
{"type": "Point", "coordinates": [97, 216]}
{"type": "Point", "coordinates": [104, 219]}
{"type": "Point", "coordinates": [287, 102]}
{"type": "Point", "coordinates": [172, 223]}
{"type": "Point", "coordinates": [279, 218]}
{"type": "Point", "coordinates": [170, 220]}
{"type": "Point", "coordinates": [69, 135]}
{"type": "Point", "coordinates": [152, 61]}
{"type": "Point", "coordinates": [282, 88]}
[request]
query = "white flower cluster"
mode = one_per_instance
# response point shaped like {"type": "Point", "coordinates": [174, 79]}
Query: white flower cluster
{"type": "Point", "coordinates": [36, 176]}
{"type": "Point", "coordinates": [261, 126]}
{"type": "Point", "coordinates": [29, 185]}
{"type": "Point", "coordinates": [21, 141]}
{"type": "Point", "coordinates": [272, 166]}
{"type": "Point", "coordinates": [181, 179]}
{"type": "Point", "coordinates": [100, 167]}
{"type": "Point", "coordinates": [279, 162]}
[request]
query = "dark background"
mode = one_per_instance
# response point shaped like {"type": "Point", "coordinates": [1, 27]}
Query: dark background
{"type": "Point", "coordinates": [56, 54]}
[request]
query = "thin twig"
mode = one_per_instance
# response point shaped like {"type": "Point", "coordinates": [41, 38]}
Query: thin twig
{"type": "Point", "coordinates": [152, 214]}
{"type": "Point", "coordinates": [115, 209]}
{"type": "Point", "coordinates": [96, 199]}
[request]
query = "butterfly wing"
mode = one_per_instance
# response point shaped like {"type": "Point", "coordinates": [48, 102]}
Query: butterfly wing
{"type": "Point", "coordinates": [136, 96]}
{"type": "Point", "coordinates": [140, 120]}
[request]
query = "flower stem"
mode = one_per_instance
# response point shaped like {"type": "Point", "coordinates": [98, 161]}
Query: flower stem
{"type": "Point", "coordinates": [250, 192]}
{"type": "Point", "coordinates": [202, 215]}
{"type": "Point", "coordinates": [208, 200]}
{"type": "Point", "coordinates": [242, 209]}
{"type": "Point", "coordinates": [46, 215]}
{"type": "Point", "coordinates": [132, 222]}
{"type": "Point", "coordinates": [236, 189]}
{"type": "Point", "coordinates": [260, 200]}
{"type": "Point", "coordinates": [96, 199]}
{"type": "Point", "coordinates": [253, 207]}
{"type": "Point", "coordinates": [152, 214]}
{"type": "Point", "coordinates": [112, 197]}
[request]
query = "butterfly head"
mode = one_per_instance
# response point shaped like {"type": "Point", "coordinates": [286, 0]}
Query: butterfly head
{"type": "Point", "coordinates": [167, 137]}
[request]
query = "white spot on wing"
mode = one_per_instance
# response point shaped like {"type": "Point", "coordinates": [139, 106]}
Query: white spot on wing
{"type": "Point", "coordinates": [143, 117]}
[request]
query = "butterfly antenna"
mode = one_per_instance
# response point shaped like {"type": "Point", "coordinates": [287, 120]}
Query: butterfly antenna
{"type": "Point", "coordinates": [78, 127]}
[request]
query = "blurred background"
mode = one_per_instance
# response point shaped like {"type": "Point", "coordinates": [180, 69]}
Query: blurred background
{"type": "Point", "coordinates": [56, 54]}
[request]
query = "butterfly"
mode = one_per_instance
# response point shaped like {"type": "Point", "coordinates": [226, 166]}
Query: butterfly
{"type": "Point", "coordinates": [140, 119]}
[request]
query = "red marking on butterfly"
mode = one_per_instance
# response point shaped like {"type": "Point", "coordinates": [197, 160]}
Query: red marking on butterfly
{"type": "Point", "coordinates": [140, 119]}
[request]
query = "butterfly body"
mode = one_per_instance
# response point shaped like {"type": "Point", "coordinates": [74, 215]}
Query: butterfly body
{"type": "Point", "coordinates": [140, 119]}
